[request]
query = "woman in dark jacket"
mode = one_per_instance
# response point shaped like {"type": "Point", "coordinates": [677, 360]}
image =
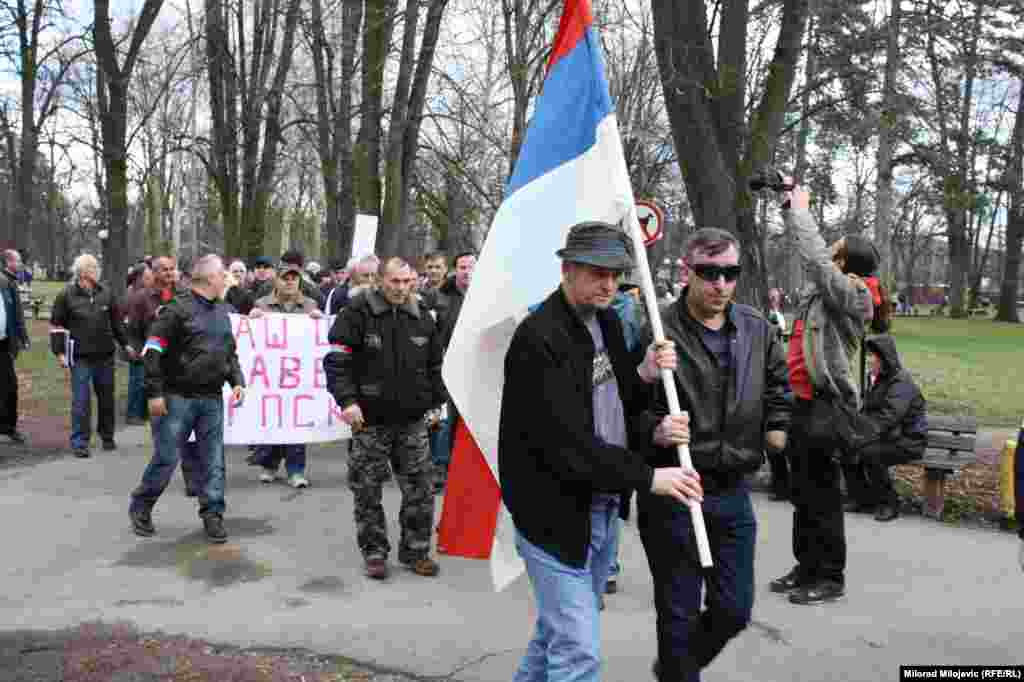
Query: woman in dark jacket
{"type": "Point", "coordinates": [897, 411]}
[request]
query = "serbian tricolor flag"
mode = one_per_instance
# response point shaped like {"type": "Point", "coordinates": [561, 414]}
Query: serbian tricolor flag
{"type": "Point", "coordinates": [570, 169]}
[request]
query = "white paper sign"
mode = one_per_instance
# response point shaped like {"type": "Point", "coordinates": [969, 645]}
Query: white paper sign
{"type": "Point", "coordinates": [286, 397]}
{"type": "Point", "coordinates": [364, 240]}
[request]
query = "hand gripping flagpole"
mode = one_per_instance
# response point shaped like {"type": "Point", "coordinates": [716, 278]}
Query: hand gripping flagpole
{"type": "Point", "coordinates": [667, 380]}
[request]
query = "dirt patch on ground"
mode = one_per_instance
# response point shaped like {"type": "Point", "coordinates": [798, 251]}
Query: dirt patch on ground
{"type": "Point", "coordinates": [973, 496]}
{"type": "Point", "coordinates": [98, 652]}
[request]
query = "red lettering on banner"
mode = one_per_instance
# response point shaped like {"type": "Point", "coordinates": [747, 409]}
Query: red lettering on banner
{"type": "Point", "coordinates": [232, 408]}
{"type": "Point", "coordinates": [280, 409]}
{"type": "Point", "coordinates": [319, 336]}
{"type": "Point", "coordinates": [246, 329]}
{"type": "Point", "coordinates": [333, 411]}
{"type": "Point", "coordinates": [319, 377]}
{"type": "Point", "coordinates": [279, 339]}
{"type": "Point", "coordinates": [290, 367]}
{"type": "Point", "coordinates": [295, 411]}
{"type": "Point", "coordinates": [259, 369]}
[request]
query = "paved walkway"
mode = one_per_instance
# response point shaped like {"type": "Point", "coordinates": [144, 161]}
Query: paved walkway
{"type": "Point", "coordinates": [919, 591]}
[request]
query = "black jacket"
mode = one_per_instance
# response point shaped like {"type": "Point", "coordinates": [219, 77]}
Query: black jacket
{"type": "Point", "coordinates": [448, 304]}
{"type": "Point", "coordinates": [550, 461]}
{"type": "Point", "coordinates": [386, 359]}
{"type": "Point", "coordinates": [191, 349]}
{"type": "Point", "coordinates": [92, 319]}
{"type": "Point", "coordinates": [338, 298]}
{"type": "Point", "coordinates": [894, 403]}
{"type": "Point", "coordinates": [240, 298]}
{"type": "Point", "coordinates": [728, 420]}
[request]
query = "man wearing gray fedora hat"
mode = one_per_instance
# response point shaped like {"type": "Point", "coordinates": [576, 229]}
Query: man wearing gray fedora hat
{"type": "Point", "coordinates": [573, 419]}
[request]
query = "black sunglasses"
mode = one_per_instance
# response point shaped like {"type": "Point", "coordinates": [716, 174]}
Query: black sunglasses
{"type": "Point", "coordinates": [711, 273]}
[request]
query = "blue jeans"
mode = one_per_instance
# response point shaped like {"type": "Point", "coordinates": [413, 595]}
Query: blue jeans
{"type": "Point", "coordinates": [206, 417]}
{"type": "Point", "coordinates": [136, 391]}
{"type": "Point", "coordinates": [615, 538]}
{"type": "Point", "coordinates": [566, 646]}
{"type": "Point", "coordinates": [95, 373]}
{"type": "Point", "coordinates": [441, 444]}
{"type": "Point", "coordinates": [270, 456]}
{"type": "Point", "coordinates": [689, 638]}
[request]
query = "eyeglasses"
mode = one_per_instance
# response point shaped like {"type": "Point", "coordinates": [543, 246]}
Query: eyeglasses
{"type": "Point", "coordinates": [711, 273]}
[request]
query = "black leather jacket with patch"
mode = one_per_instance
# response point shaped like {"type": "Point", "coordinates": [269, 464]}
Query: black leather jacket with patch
{"type": "Point", "coordinates": [198, 349]}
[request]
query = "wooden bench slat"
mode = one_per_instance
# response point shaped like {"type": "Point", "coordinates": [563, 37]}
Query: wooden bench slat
{"type": "Point", "coordinates": [946, 441]}
{"type": "Point", "coordinates": [953, 424]}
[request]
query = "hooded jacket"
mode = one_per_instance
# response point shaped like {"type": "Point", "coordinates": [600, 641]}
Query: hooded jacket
{"type": "Point", "coordinates": [833, 309]}
{"type": "Point", "coordinates": [895, 404]}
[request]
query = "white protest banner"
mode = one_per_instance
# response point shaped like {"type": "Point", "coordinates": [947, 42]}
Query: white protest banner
{"type": "Point", "coordinates": [286, 398]}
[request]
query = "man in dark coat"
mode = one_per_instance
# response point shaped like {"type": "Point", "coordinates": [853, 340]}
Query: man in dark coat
{"type": "Point", "coordinates": [384, 371]}
{"type": "Point", "coordinates": [733, 385]}
{"type": "Point", "coordinates": [13, 339]}
{"type": "Point", "coordinates": [572, 413]}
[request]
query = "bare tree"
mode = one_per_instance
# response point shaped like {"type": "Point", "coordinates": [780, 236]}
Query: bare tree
{"type": "Point", "coordinates": [250, 79]}
{"type": "Point", "coordinates": [705, 92]}
{"type": "Point", "coordinates": [113, 80]}
{"type": "Point", "coordinates": [42, 59]}
{"type": "Point", "coordinates": [334, 112]}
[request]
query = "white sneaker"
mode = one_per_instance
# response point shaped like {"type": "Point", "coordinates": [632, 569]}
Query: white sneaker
{"type": "Point", "coordinates": [298, 481]}
{"type": "Point", "coordinates": [268, 475]}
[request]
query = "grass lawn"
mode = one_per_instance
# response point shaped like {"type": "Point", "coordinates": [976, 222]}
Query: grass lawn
{"type": "Point", "coordinates": [966, 366]}
{"type": "Point", "coordinates": [45, 387]}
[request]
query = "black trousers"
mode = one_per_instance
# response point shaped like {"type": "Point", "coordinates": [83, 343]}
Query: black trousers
{"type": "Point", "coordinates": [869, 482]}
{"type": "Point", "coordinates": [8, 388]}
{"type": "Point", "coordinates": [819, 534]}
{"type": "Point", "coordinates": [779, 463]}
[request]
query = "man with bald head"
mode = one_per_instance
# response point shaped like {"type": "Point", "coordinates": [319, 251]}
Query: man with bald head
{"type": "Point", "coordinates": [189, 356]}
{"type": "Point", "coordinates": [84, 327]}
{"type": "Point", "coordinates": [13, 338]}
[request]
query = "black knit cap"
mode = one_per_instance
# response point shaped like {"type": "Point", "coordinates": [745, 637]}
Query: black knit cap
{"type": "Point", "coordinates": [598, 244]}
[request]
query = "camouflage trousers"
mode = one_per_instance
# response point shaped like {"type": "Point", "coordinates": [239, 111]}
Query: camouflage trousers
{"type": "Point", "coordinates": [378, 451]}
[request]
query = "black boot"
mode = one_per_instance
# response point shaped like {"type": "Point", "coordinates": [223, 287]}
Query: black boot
{"type": "Point", "coordinates": [214, 526]}
{"type": "Point", "coordinates": [887, 512]}
{"type": "Point", "coordinates": [142, 522]}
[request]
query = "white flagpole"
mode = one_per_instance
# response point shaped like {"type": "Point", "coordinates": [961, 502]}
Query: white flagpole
{"type": "Point", "coordinates": [654, 314]}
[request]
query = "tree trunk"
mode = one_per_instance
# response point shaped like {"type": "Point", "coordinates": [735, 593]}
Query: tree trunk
{"type": "Point", "coordinates": [223, 106]}
{"type": "Point", "coordinates": [377, 31]}
{"type": "Point", "coordinates": [883, 159]}
{"type": "Point", "coordinates": [114, 125]}
{"type": "Point", "coordinates": [403, 133]}
{"type": "Point", "coordinates": [1010, 286]}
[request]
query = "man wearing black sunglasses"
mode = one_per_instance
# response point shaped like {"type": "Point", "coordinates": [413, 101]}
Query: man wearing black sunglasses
{"type": "Point", "coordinates": [732, 379]}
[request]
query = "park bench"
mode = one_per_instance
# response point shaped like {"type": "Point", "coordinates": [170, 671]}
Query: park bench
{"type": "Point", "coordinates": [950, 447]}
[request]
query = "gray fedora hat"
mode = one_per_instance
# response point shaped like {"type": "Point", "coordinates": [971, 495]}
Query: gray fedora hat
{"type": "Point", "coordinates": [598, 244]}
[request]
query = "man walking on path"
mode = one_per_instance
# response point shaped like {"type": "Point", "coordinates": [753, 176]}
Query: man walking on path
{"type": "Point", "coordinates": [13, 339]}
{"type": "Point", "coordinates": [189, 355]}
{"type": "Point", "coordinates": [384, 371]}
{"type": "Point", "coordinates": [572, 399]}
{"type": "Point", "coordinates": [84, 325]}
{"type": "Point", "coordinates": [733, 385]}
